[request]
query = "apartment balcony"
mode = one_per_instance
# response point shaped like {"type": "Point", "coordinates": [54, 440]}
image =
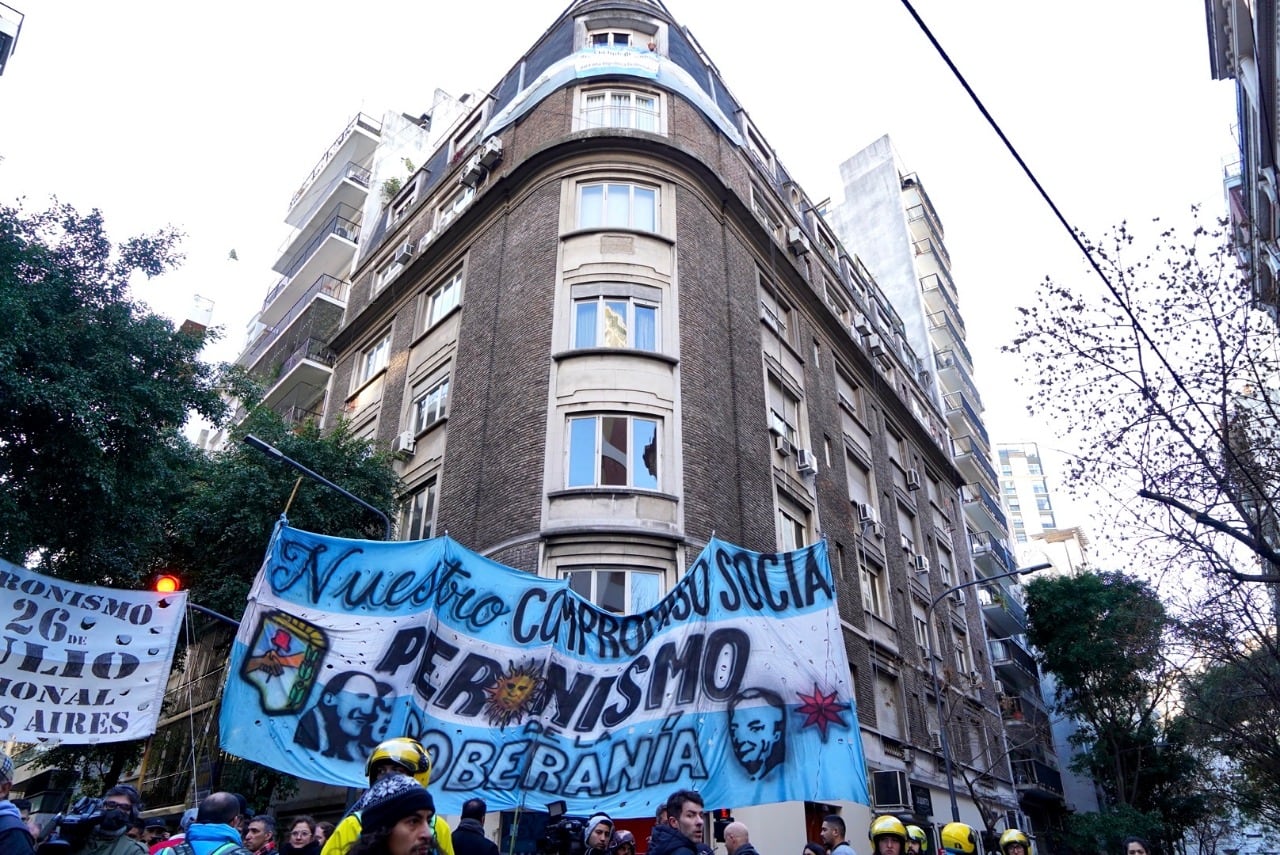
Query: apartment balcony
{"type": "Point", "coordinates": [330, 250]}
{"type": "Point", "coordinates": [954, 375]}
{"type": "Point", "coordinates": [990, 555]}
{"type": "Point", "coordinates": [945, 335]}
{"type": "Point", "coordinates": [346, 190]}
{"type": "Point", "coordinates": [983, 510]}
{"type": "Point", "coordinates": [320, 306]}
{"type": "Point", "coordinates": [1012, 663]}
{"type": "Point", "coordinates": [969, 457]}
{"type": "Point", "coordinates": [914, 194]}
{"type": "Point", "coordinates": [1002, 608]}
{"type": "Point", "coordinates": [1024, 710]}
{"type": "Point", "coordinates": [931, 255]}
{"type": "Point", "coordinates": [355, 144]}
{"type": "Point", "coordinates": [303, 372]}
{"type": "Point", "coordinates": [1034, 778]}
{"type": "Point", "coordinates": [939, 296]}
{"type": "Point", "coordinates": [964, 420]}
{"type": "Point", "coordinates": [924, 225]}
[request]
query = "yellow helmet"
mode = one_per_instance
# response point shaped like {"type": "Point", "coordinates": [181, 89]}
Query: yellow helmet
{"type": "Point", "coordinates": [1013, 835]}
{"type": "Point", "coordinates": [958, 837]}
{"type": "Point", "coordinates": [916, 833]}
{"type": "Point", "coordinates": [887, 826]}
{"type": "Point", "coordinates": [404, 752]}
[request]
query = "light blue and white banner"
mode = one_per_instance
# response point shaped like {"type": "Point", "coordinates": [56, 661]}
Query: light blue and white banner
{"type": "Point", "coordinates": [735, 684]}
{"type": "Point", "coordinates": [82, 664]}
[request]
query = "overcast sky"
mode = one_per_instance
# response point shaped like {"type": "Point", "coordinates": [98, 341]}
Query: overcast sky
{"type": "Point", "coordinates": [208, 117]}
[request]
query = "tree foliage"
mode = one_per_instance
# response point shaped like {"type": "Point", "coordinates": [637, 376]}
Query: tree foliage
{"type": "Point", "coordinates": [94, 390]}
{"type": "Point", "coordinates": [1166, 379]}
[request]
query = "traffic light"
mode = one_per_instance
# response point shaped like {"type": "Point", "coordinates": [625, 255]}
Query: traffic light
{"type": "Point", "coordinates": [720, 819]}
{"type": "Point", "coordinates": [165, 583]}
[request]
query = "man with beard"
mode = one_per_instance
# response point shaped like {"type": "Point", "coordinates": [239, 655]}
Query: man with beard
{"type": "Point", "coordinates": [682, 835]}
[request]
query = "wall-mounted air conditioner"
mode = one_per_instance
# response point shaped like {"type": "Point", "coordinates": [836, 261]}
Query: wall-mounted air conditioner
{"type": "Point", "coordinates": [402, 445]}
{"type": "Point", "coordinates": [491, 152]}
{"type": "Point", "coordinates": [472, 173]}
{"type": "Point", "coordinates": [796, 241]}
{"type": "Point", "coordinates": [890, 790]}
{"type": "Point", "coordinates": [806, 462]}
{"type": "Point", "coordinates": [864, 512]}
{"type": "Point", "coordinates": [913, 479]}
{"type": "Point", "coordinates": [405, 253]}
{"type": "Point", "coordinates": [783, 446]}
{"type": "Point", "coordinates": [922, 564]}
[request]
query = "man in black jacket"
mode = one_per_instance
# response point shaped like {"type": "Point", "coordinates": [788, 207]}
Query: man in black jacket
{"type": "Point", "coordinates": [469, 837]}
{"type": "Point", "coordinates": [682, 835]}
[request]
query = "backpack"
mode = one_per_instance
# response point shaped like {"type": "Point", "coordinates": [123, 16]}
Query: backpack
{"type": "Point", "coordinates": [185, 848]}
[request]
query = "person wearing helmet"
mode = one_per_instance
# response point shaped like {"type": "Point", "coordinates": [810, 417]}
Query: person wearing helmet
{"type": "Point", "coordinates": [888, 835]}
{"type": "Point", "coordinates": [918, 841]}
{"type": "Point", "coordinates": [624, 843]}
{"type": "Point", "coordinates": [1014, 842]}
{"type": "Point", "coordinates": [959, 839]}
{"type": "Point", "coordinates": [400, 756]}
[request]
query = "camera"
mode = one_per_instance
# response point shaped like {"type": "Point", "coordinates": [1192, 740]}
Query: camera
{"type": "Point", "coordinates": [72, 829]}
{"type": "Point", "coordinates": [563, 834]}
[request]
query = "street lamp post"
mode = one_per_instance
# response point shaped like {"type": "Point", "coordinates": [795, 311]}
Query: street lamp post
{"type": "Point", "coordinates": [276, 454]}
{"type": "Point", "coordinates": [933, 671]}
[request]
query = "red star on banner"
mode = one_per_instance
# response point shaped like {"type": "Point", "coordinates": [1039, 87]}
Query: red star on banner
{"type": "Point", "coordinates": [821, 709]}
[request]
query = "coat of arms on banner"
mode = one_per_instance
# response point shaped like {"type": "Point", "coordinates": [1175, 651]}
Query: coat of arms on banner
{"type": "Point", "coordinates": [284, 660]}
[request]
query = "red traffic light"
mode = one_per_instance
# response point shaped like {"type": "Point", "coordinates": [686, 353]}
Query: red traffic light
{"type": "Point", "coordinates": [165, 583]}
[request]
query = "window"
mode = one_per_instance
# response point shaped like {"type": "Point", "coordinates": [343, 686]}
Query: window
{"type": "Point", "coordinates": [858, 476]}
{"type": "Point", "coordinates": [766, 212]}
{"type": "Point", "coordinates": [417, 513]}
{"type": "Point", "coordinates": [454, 205]}
{"type": "Point", "coordinates": [618, 205]}
{"type": "Point", "coordinates": [873, 593]}
{"type": "Point", "coordinates": [373, 359]}
{"type": "Point", "coordinates": [620, 108]}
{"type": "Point", "coordinates": [964, 660]}
{"type": "Point", "coordinates": [784, 410]}
{"type": "Point", "coordinates": [621, 591]}
{"type": "Point", "coordinates": [613, 451]}
{"type": "Point", "coordinates": [402, 208]}
{"type": "Point", "coordinates": [388, 271]}
{"type": "Point", "coordinates": [775, 313]}
{"type": "Point", "coordinates": [758, 147]}
{"type": "Point", "coordinates": [922, 636]}
{"type": "Point", "coordinates": [615, 322]}
{"type": "Point", "coordinates": [836, 301]}
{"type": "Point", "coordinates": [888, 705]}
{"type": "Point", "coordinates": [463, 140]}
{"type": "Point", "coordinates": [442, 299]}
{"type": "Point", "coordinates": [430, 402]}
{"type": "Point", "coordinates": [793, 525]}
{"type": "Point", "coordinates": [611, 39]}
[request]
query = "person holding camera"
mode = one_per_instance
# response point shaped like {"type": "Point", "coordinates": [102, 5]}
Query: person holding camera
{"type": "Point", "coordinates": [109, 835]}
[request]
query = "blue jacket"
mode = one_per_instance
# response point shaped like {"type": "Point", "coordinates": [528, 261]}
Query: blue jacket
{"type": "Point", "coordinates": [205, 838]}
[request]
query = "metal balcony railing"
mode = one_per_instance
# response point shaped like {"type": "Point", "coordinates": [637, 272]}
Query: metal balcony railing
{"type": "Point", "coordinates": [977, 493]}
{"type": "Point", "coordinates": [926, 246]}
{"type": "Point", "coordinates": [965, 445]}
{"type": "Point", "coordinates": [959, 401]}
{"type": "Point", "coordinates": [325, 284]}
{"type": "Point", "coordinates": [1000, 595]}
{"type": "Point", "coordinates": [360, 120]}
{"type": "Point", "coordinates": [313, 350]}
{"type": "Point", "coordinates": [985, 543]}
{"type": "Point", "coordinates": [1005, 650]}
{"type": "Point", "coordinates": [942, 321]}
{"type": "Point", "coordinates": [936, 284]}
{"type": "Point", "coordinates": [947, 360]}
{"type": "Point", "coordinates": [1032, 774]}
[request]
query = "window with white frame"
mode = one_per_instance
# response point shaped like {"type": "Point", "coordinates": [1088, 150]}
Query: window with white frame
{"type": "Point", "coordinates": [616, 37]}
{"type": "Point", "coordinates": [784, 410]}
{"type": "Point", "coordinates": [418, 511]}
{"type": "Point", "coordinates": [626, 319]}
{"type": "Point", "coordinates": [621, 590]}
{"type": "Point", "coordinates": [836, 301]}
{"type": "Point", "coordinates": [373, 359]}
{"type": "Point", "coordinates": [793, 524]}
{"type": "Point", "coordinates": [860, 480]}
{"type": "Point", "coordinates": [402, 207]}
{"type": "Point", "coordinates": [442, 299]}
{"type": "Point", "coordinates": [768, 214]}
{"type": "Point", "coordinates": [757, 146]}
{"type": "Point", "coordinates": [617, 204]}
{"type": "Point", "coordinates": [964, 659]}
{"type": "Point", "coordinates": [452, 206]}
{"type": "Point", "coordinates": [621, 108]}
{"type": "Point", "coordinates": [470, 132]}
{"type": "Point", "coordinates": [922, 635]}
{"type": "Point", "coordinates": [613, 451]}
{"type": "Point", "coordinates": [874, 596]}
{"type": "Point", "coordinates": [430, 403]}
{"type": "Point", "coordinates": [389, 270]}
{"type": "Point", "coordinates": [775, 313]}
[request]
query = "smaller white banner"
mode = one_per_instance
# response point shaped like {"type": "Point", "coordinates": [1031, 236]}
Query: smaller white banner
{"type": "Point", "coordinates": [81, 664]}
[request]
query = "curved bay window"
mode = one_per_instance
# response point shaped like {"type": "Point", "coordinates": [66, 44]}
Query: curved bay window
{"type": "Point", "coordinates": [613, 451]}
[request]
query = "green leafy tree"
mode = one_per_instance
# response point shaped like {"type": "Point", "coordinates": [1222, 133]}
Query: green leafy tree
{"type": "Point", "coordinates": [1102, 636]}
{"type": "Point", "coordinates": [94, 390]}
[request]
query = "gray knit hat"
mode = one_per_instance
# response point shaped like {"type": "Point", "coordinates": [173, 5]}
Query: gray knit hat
{"type": "Point", "coordinates": [593, 822]}
{"type": "Point", "coordinates": [391, 799]}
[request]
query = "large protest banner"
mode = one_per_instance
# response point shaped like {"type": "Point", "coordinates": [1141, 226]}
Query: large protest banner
{"type": "Point", "coordinates": [81, 664]}
{"type": "Point", "coordinates": [735, 684]}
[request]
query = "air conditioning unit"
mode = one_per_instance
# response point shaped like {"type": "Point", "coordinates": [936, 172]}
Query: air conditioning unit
{"type": "Point", "coordinates": [472, 173]}
{"type": "Point", "coordinates": [783, 446]}
{"type": "Point", "coordinates": [861, 323]}
{"type": "Point", "coordinates": [877, 530]}
{"type": "Point", "coordinates": [935, 740]}
{"type": "Point", "coordinates": [957, 597]}
{"type": "Point", "coordinates": [402, 445]}
{"type": "Point", "coordinates": [875, 344]}
{"type": "Point", "coordinates": [906, 543]}
{"type": "Point", "coordinates": [491, 153]}
{"type": "Point", "coordinates": [405, 253]}
{"type": "Point", "coordinates": [864, 512]}
{"type": "Point", "coordinates": [913, 479]}
{"type": "Point", "coordinates": [890, 790]}
{"type": "Point", "coordinates": [922, 564]}
{"type": "Point", "coordinates": [806, 462]}
{"type": "Point", "coordinates": [796, 241]}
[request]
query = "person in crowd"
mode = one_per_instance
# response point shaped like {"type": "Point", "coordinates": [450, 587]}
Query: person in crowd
{"type": "Point", "coordinates": [396, 819]}
{"type": "Point", "coordinates": [469, 837]}
{"type": "Point", "coordinates": [959, 839]}
{"type": "Point", "coordinates": [918, 841]}
{"type": "Point", "coordinates": [188, 817]}
{"type": "Point", "coordinates": [624, 843]}
{"type": "Point", "coordinates": [813, 847]}
{"type": "Point", "coordinates": [737, 839]}
{"type": "Point", "coordinates": [121, 805]}
{"type": "Point", "coordinates": [24, 812]}
{"type": "Point", "coordinates": [1136, 846]}
{"type": "Point", "coordinates": [302, 838]}
{"type": "Point", "coordinates": [154, 831]}
{"type": "Point", "coordinates": [1014, 842]}
{"type": "Point", "coordinates": [833, 835]}
{"type": "Point", "coordinates": [682, 834]}
{"type": "Point", "coordinates": [400, 756]}
{"type": "Point", "coordinates": [215, 830]}
{"type": "Point", "coordinates": [323, 830]}
{"type": "Point", "coordinates": [260, 835]}
{"type": "Point", "coordinates": [137, 829]}
{"type": "Point", "coordinates": [15, 836]}
{"type": "Point", "coordinates": [888, 835]}
{"type": "Point", "coordinates": [596, 834]}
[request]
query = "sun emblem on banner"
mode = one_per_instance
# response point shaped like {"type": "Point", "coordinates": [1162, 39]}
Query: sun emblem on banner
{"type": "Point", "coordinates": [821, 710]}
{"type": "Point", "coordinates": [512, 694]}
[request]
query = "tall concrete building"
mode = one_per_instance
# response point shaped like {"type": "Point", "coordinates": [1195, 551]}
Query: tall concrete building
{"type": "Point", "coordinates": [887, 213]}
